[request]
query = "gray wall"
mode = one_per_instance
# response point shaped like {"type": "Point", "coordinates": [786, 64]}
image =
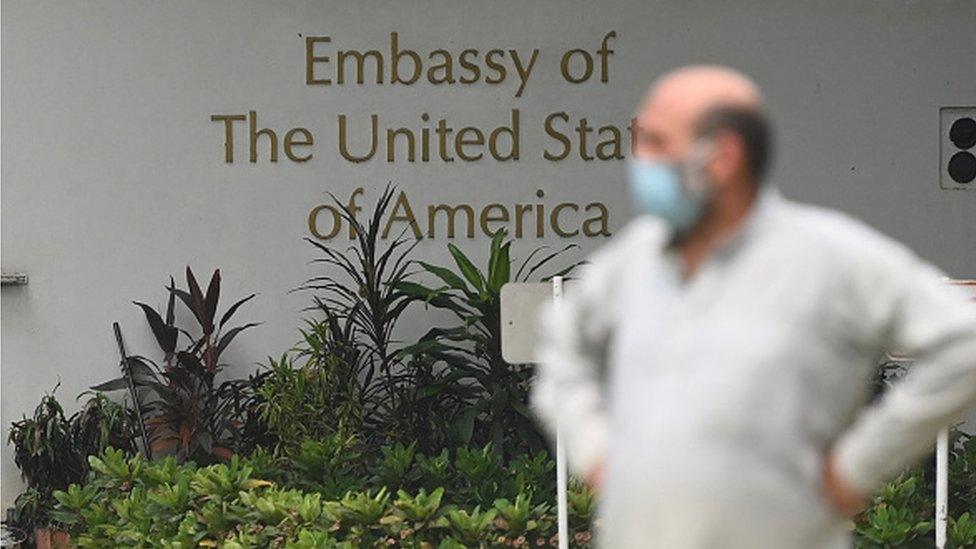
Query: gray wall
{"type": "Point", "coordinates": [112, 175]}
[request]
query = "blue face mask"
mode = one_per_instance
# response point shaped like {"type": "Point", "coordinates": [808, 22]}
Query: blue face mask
{"type": "Point", "coordinates": [658, 189]}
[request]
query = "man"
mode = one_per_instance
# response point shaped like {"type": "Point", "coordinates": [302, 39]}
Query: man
{"type": "Point", "coordinates": [710, 368]}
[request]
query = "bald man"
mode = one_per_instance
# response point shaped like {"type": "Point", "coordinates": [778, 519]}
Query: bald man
{"type": "Point", "coordinates": [710, 369]}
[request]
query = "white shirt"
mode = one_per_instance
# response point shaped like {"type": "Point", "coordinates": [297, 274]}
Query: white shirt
{"type": "Point", "coordinates": [714, 400]}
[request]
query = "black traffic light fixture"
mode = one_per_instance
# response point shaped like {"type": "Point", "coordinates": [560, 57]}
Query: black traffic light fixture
{"type": "Point", "coordinates": [957, 168]}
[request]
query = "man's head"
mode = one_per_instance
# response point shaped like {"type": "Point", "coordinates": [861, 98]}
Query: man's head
{"type": "Point", "coordinates": [710, 118]}
{"type": "Point", "coordinates": [706, 101]}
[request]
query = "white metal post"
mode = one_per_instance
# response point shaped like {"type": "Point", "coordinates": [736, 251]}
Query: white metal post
{"type": "Point", "coordinates": [941, 488]}
{"type": "Point", "coordinates": [942, 458]}
{"type": "Point", "coordinates": [561, 473]}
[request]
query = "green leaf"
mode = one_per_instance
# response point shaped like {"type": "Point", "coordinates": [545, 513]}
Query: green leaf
{"type": "Point", "coordinates": [470, 272]}
{"type": "Point", "coordinates": [449, 278]}
{"type": "Point", "coordinates": [494, 251]}
{"type": "Point", "coordinates": [465, 426]}
{"type": "Point", "coordinates": [501, 270]}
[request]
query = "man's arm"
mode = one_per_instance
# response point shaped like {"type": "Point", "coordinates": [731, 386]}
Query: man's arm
{"type": "Point", "coordinates": [919, 314]}
{"type": "Point", "coordinates": [568, 389]}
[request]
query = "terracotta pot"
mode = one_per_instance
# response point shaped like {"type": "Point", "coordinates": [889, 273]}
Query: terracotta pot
{"type": "Point", "coordinates": [52, 539]}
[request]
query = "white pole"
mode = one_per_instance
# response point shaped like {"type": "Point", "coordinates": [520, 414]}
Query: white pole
{"type": "Point", "coordinates": [561, 499]}
{"type": "Point", "coordinates": [941, 488]}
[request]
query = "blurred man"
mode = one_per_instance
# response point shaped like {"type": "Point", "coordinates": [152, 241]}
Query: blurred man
{"type": "Point", "coordinates": [710, 368]}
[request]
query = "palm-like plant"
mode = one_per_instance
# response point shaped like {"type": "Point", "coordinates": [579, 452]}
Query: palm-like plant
{"type": "Point", "coordinates": [495, 391]}
{"type": "Point", "coordinates": [362, 300]}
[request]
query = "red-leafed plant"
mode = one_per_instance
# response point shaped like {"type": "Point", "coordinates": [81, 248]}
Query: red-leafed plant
{"type": "Point", "coordinates": [185, 412]}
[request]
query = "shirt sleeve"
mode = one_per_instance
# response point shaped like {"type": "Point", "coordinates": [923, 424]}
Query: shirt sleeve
{"type": "Point", "coordinates": [911, 309]}
{"type": "Point", "coordinates": [571, 355]}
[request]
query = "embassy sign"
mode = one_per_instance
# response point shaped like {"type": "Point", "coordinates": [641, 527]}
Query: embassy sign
{"type": "Point", "coordinates": [442, 139]}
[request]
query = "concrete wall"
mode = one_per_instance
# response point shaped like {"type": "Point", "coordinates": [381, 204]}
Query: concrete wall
{"type": "Point", "coordinates": [113, 175]}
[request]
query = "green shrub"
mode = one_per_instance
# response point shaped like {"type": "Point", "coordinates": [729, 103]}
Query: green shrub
{"type": "Point", "coordinates": [136, 503]}
{"type": "Point", "coordinates": [312, 400]}
{"type": "Point", "coordinates": [962, 531]}
{"type": "Point", "coordinates": [51, 450]}
{"type": "Point", "coordinates": [902, 512]}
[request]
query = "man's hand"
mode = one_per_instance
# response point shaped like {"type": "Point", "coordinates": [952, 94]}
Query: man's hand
{"type": "Point", "coordinates": [844, 497]}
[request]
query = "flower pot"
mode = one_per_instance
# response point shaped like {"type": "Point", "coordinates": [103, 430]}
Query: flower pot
{"type": "Point", "coordinates": [47, 538]}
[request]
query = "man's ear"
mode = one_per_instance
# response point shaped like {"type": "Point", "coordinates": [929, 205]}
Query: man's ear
{"type": "Point", "coordinates": [727, 161]}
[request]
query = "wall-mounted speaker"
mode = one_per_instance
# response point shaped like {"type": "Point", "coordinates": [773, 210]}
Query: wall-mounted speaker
{"type": "Point", "coordinates": [957, 147]}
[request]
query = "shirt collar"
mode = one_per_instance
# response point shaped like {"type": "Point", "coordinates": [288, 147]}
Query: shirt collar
{"type": "Point", "coordinates": [767, 199]}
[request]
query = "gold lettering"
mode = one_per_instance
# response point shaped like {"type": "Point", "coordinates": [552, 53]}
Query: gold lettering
{"type": "Point", "coordinates": [447, 66]}
{"type": "Point", "coordinates": [391, 143]}
{"type": "Point", "coordinates": [254, 133]}
{"type": "Point", "coordinates": [343, 147]}
{"type": "Point", "coordinates": [520, 211]}
{"type": "Point", "coordinates": [604, 52]}
{"type": "Point", "coordinates": [633, 128]}
{"type": "Point", "coordinates": [460, 142]}
{"type": "Point", "coordinates": [602, 218]}
{"type": "Point", "coordinates": [556, 134]}
{"type": "Point", "coordinates": [583, 129]}
{"type": "Point", "coordinates": [291, 142]}
{"type": "Point", "coordinates": [487, 217]}
{"type": "Point", "coordinates": [360, 65]}
{"type": "Point", "coordinates": [406, 216]}
{"type": "Point", "coordinates": [588, 63]}
{"type": "Point", "coordinates": [540, 215]}
{"type": "Point", "coordinates": [523, 72]}
{"type": "Point", "coordinates": [353, 208]}
{"type": "Point", "coordinates": [313, 222]}
{"type": "Point", "coordinates": [396, 54]}
{"type": "Point", "coordinates": [554, 219]}
{"type": "Point", "coordinates": [613, 143]}
{"type": "Point", "coordinates": [228, 120]}
{"type": "Point", "coordinates": [425, 139]}
{"type": "Point", "coordinates": [450, 211]}
{"type": "Point", "coordinates": [443, 132]}
{"type": "Point", "coordinates": [513, 132]}
{"type": "Point", "coordinates": [496, 65]}
{"type": "Point", "coordinates": [311, 59]}
{"type": "Point", "coordinates": [474, 68]}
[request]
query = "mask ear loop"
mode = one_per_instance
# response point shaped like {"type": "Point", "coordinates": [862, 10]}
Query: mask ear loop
{"type": "Point", "coordinates": [693, 174]}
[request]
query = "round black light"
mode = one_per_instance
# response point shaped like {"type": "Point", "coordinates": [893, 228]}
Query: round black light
{"type": "Point", "coordinates": [962, 167]}
{"type": "Point", "coordinates": [963, 133]}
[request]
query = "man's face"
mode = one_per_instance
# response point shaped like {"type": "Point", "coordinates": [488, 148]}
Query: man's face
{"type": "Point", "coordinates": [664, 130]}
{"type": "Point", "coordinates": [667, 120]}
